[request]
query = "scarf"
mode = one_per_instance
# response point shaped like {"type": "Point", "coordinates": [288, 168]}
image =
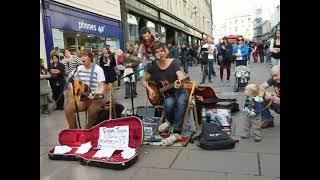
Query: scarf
{"type": "Point", "coordinates": [146, 46]}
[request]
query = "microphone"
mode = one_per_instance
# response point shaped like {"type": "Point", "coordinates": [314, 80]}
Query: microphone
{"type": "Point", "coordinates": [74, 72]}
{"type": "Point", "coordinates": [150, 59]}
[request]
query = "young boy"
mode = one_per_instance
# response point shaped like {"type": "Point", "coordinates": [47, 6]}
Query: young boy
{"type": "Point", "coordinates": [252, 109]}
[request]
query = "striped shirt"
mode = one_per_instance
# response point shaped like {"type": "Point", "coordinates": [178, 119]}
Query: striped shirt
{"type": "Point", "coordinates": [83, 75]}
{"type": "Point", "coordinates": [71, 64]}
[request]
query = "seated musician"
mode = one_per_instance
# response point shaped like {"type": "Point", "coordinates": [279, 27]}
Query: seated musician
{"type": "Point", "coordinates": [170, 71]}
{"type": "Point", "coordinates": [92, 75]}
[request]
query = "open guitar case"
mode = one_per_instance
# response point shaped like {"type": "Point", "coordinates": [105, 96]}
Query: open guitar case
{"type": "Point", "coordinates": [210, 100]}
{"type": "Point", "coordinates": [75, 137]}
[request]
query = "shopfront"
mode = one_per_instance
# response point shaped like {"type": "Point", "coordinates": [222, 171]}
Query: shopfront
{"type": "Point", "coordinates": [76, 29]}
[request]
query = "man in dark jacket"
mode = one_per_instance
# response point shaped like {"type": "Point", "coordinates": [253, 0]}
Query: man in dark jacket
{"type": "Point", "coordinates": [225, 57]}
{"type": "Point", "coordinates": [173, 52]}
{"type": "Point", "coordinates": [184, 55]}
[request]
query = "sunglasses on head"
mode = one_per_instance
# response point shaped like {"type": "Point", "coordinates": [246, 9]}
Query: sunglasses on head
{"type": "Point", "coordinates": [240, 39]}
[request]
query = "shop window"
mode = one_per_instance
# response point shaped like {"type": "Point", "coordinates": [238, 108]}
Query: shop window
{"type": "Point", "coordinates": [77, 41]}
{"type": "Point", "coordinates": [151, 26]}
{"type": "Point", "coordinates": [133, 28]}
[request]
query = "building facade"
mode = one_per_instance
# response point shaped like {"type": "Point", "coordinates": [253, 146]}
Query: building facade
{"type": "Point", "coordinates": [170, 20]}
{"type": "Point", "coordinates": [81, 24]}
{"type": "Point", "coordinates": [267, 20]}
{"type": "Point", "coordinates": [240, 25]}
{"type": "Point", "coordinates": [43, 53]}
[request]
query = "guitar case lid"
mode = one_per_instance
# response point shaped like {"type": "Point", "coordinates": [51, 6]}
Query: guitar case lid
{"type": "Point", "coordinates": [75, 137]}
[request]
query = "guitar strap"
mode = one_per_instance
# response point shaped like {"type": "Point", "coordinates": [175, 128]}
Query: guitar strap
{"type": "Point", "coordinates": [91, 74]}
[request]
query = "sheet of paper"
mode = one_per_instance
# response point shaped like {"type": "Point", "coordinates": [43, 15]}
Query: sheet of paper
{"type": "Point", "coordinates": [84, 148]}
{"type": "Point", "coordinates": [62, 149]}
{"type": "Point", "coordinates": [116, 137]}
{"type": "Point", "coordinates": [104, 152]}
{"type": "Point", "coordinates": [127, 153]}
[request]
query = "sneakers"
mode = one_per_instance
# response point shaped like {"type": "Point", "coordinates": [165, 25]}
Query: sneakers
{"type": "Point", "coordinates": [164, 126]}
{"type": "Point", "coordinates": [257, 140]}
{"type": "Point", "coordinates": [171, 139]}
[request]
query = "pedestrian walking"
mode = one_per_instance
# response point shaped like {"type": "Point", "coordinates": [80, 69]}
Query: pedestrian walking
{"type": "Point", "coordinates": [275, 48]}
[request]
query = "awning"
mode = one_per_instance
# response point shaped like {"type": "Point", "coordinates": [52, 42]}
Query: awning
{"type": "Point", "coordinates": [232, 37]}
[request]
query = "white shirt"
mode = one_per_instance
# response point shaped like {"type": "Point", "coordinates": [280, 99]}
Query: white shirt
{"type": "Point", "coordinates": [83, 75]}
{"type": "Point", "coordinates": [210, 48]}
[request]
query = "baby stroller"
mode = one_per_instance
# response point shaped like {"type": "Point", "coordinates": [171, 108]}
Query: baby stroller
{"type": "Point", "coordinates": [242, 77]}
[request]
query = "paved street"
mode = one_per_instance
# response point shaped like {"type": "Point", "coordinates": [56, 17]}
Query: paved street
{"type": "Point", "coordinates": [247, 161]}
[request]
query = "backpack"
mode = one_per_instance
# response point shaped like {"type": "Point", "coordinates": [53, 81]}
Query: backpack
{"type": "Point", "coordinates": [104, 114]}
{"type": "Point", "coordinates": [213, 138]}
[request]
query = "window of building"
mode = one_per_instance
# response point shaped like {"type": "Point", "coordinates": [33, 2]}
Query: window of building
{"type": "Point", "coordinates": [133, 28]}
{"type": "Point", "coordinates": [162, 34]}
{"type": "Point", "coordinates": [78, 41]}
{"type": "Point", "coordinates": [151, 26]}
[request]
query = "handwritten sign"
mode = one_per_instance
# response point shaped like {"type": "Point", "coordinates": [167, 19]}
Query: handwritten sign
{"type": "Point", "coordinates": [115, 137]}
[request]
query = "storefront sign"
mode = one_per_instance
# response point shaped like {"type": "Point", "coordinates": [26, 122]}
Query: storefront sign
{"type": "Point", "coordinates": [88, 24]}
{"type": "Point", "coordinates": [92, 27]}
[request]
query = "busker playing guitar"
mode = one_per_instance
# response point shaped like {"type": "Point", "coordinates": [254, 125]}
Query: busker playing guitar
{"type": "Point", "coordinates": [165, 69]}
{"type": "Point", "coordinates": [92, 75]}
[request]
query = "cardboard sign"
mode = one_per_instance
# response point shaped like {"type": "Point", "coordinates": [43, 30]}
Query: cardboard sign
{"type": "Point", "coordinates": [115, 137]}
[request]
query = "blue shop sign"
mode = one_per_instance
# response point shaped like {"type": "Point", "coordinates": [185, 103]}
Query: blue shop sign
{"type": "Point", "coordinates": [69, 22]}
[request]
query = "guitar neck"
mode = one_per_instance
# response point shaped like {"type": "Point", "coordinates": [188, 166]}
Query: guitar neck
{"type": "Point", "coordinates": [170, 86]}
{"type": "Point", "coordinates": [166, 88]}
{"type": "Point", "coordinates": [135, 58]}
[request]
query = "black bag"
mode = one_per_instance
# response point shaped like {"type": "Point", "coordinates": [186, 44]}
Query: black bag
{"type": "Point", "coordinates": [104, 114]}
{"type": "Point", "coordinates": [233, 106]}
{"type": "Point", "coordinates": [148, 111]}
{"type": "Point", "coordinates": [213, 138]}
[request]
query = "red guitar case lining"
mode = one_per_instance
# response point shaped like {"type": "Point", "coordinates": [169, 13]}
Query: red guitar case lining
{"type": "Point", "coordinates": [75, 137]}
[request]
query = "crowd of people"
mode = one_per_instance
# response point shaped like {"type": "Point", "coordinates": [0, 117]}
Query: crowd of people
{"type": "Point", "coordinates": [171, 65]}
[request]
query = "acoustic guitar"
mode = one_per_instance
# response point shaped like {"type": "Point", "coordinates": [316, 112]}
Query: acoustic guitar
{"type": "Point", "coordinates": [161, 90]}
{"type": "Point", "coordinates": [82, 91]}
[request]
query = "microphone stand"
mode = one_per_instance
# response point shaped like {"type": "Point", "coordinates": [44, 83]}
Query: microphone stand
{"type": "Point", "coordinates": [73, 92]}
{"type": "Point", "coordinates": [74, 97]}
{"type": "Point", "coordinates": [130, 79]}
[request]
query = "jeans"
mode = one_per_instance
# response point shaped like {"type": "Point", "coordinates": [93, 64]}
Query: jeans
{"type": "Point", "coordinates": [226, 65]}
{"type": "Point", "coordinates": [185, 67]}
{"type": "Point", "coordinates": [205, 72]}
{"type": "Point", "coordinates": [261, 56]}
{"type": "Point", "coordinates": [275, 61]}
{"type": "Point", "coordinates": [211, 68]}
{"type": "Point", "coordinates": [176, 101]}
